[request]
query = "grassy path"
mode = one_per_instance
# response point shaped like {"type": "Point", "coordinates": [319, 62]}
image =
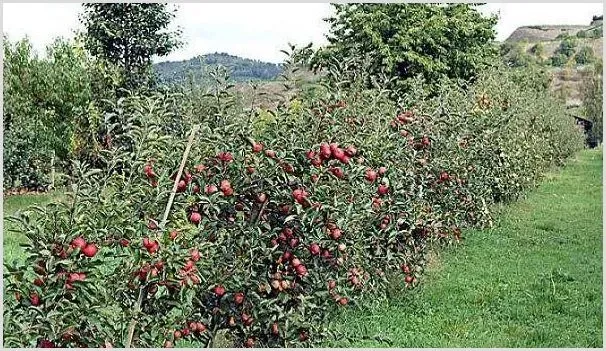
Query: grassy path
{"type": "Point", "coordinates": [534, 280]}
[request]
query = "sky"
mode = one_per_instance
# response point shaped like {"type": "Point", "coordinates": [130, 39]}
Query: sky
{"type": "Point", "coordinates": [260, 31]}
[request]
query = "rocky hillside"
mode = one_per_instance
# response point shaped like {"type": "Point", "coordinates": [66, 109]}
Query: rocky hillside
{"type": "Point", "coordinates": [543, 33]}
{"type": "Point", "coordinates": [567, 51]}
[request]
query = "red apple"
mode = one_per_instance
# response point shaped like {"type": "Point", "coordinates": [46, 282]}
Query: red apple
{"type": "Point", "coordinates": [338, 153]}
{"type": "Point", "coordinates": [371, 175]}
{"type": "Point", "coordinates": [301, 270]}
{"type": "Point", "coordinates": [270, 153]}
{"type": "Point", "coordinates": [351, 151]}
{"type": "Point", "coordinates": [34, 299]}
{"type": "Point", "coordinates": [335, 234]}
{"type": "Point", "coordinates": [219, 290]}
{"type": "Point", "coordinates": [225, 157]}
{"type": "Point", "coordinates": [90, 250]}
{"type": "Point", "coordinates": [195, 217]}
{"type": "Point", "coordinates": [314, 249]}
{"type": "Point", "coordinates": [257, 147]}
{"type": "Point", "coordinates": [383, 189]}
{"type": "Point", "coordinates": [195, 255]}
{"type": "Point", "coordinates": [325, 151]}
{"type": "Point", "coordinates": [210, 189]}
{"type": "Point", "coordinates": [239, 298]}
{"type": "Point", "coordinates": [337, 172]}
{"type": "Point", "coordinates": [78, 242]}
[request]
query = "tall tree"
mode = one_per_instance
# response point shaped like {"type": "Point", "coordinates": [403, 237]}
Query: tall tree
{"type": "Point", "coordinates": [403, 41]}
{"type": "Point", "coordinates": [129, 35]}
{"type": "Point", "coordinates": [592, 95]}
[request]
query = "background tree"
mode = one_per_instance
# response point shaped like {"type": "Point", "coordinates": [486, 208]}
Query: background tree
{"type": "Point", "coordinates": [44, 97]}
{"type": "Point", "coordinates": [406, 40]}
{"type": "Point", "coordinates": [592, 96]}
{"type": "Point", "coordinates": [128, 36]}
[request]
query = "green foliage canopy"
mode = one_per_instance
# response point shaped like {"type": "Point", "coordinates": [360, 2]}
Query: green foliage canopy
{"type": "Point", "coordinates": [43, 99]}
{"type": "Point", "coordinates": [407, 40]}
{"type": "Point", "coordinates": [592, 96]}
{"type": "Point", "coordinates": [128, 36]}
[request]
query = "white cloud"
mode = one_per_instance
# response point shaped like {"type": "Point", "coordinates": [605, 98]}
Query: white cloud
{"type": "Point", "coordinates": [260, 31]}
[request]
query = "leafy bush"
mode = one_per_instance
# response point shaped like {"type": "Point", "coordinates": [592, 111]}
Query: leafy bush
{"type": "Point", "coordinates": [567, 47]}
{"type": "Point", "coordinates": [65, 98]}
{"type": "Point", "coordinates": [518, 57]}
{"type": "Point", "coordinates": [335, 201]}
{"type": "Point", "coordinates": [558, 60]}
{"type": "Point", "coordinates": [596, 32]}
{"type": "Point", "coordinates": [584, 56]}
{"type": "Point", "coordinates": [538, 49]}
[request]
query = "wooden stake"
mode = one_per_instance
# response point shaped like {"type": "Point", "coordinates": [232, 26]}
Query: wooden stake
{"type": "Point", "coordinates": [133, 322]}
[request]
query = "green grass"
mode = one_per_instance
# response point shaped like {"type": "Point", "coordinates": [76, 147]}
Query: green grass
{"type": "Point", "coordinates": [533, 280]}
{"type": "Point", "coordinates": [11, 205]}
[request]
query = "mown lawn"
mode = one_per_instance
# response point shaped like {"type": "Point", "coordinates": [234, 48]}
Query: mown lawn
{"type": "Point", "coordinates": [534, 280]}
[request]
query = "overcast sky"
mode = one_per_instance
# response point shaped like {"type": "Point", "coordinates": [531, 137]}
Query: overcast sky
{"type": "Point", "coordinates": [260, 31]}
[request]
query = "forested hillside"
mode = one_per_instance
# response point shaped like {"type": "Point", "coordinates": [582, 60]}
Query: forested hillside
{"type": "Point", "coordinates": [240, 69]}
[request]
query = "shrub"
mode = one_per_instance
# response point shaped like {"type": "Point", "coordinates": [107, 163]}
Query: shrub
{"type": "Point", "coordinates": [596, 32]}
{"type": "Point", "coordinates": [333, 202]}
{"type": "Point", "coordinates": [567, 47]}
{"type": "Point", "coordinates": [518, 57]}
{"type": "Point", "coordinates": [558, 60]}
{"type": "Point", "coordinates": [538, 50]}
{"type": "Point", "coordinates": [584, 56]}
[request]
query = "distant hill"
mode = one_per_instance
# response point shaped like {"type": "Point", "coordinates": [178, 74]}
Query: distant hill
{"type": "Point", "coordinates": [567, 51]}
{"type": "Point", "coordinates": [552, 32]}
{"type": "Point", "coordinates": [543, 33]}
{"type": "Point", "coordinates": [240, 69]}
